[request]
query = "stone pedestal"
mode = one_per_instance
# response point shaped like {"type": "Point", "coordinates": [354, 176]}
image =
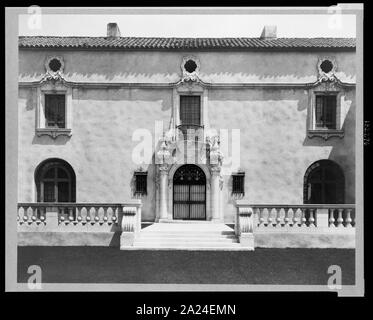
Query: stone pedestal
{"type": "Point", "coordinates": [163, 184]}
{"type": "Point", "coordinates": [51, 218]}
{"type": "Point", "coordinates": [322, 218]}
{"type": "Point", "coordinates": [127, 239]}
{"type": "Point", "coordinates": [247, 240]}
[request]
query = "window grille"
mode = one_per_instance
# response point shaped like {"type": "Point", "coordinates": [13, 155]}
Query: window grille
{"type": "Point", "coordinates": [141, 183]}
{"type": "Point", "coordinates": [55, 111]}
{"type": "Point", "coordinates": [326, 111]}
{"type": "Point", "coordinates": [238, 186]}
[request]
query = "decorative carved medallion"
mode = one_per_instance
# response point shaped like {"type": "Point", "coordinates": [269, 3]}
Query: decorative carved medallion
{"type": "Point", "coordinates": [190, 68]}
{"type": "Point", "coordinates": [54, 66]}
{"type": "Point", "coordinates": [326, 67]}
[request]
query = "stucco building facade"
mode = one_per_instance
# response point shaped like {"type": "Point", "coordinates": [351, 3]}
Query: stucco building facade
{"type": "Point", "coordinates": [270, 112]}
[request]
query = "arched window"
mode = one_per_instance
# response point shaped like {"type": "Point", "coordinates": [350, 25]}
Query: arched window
{"type": "Point", "coordinates": [324, 183]}
{"type": "Point", "coordinates": [55, 181]}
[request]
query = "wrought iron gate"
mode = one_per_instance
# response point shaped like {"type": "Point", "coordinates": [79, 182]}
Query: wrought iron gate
{"type": "Point", "coordinates": [189, 194]}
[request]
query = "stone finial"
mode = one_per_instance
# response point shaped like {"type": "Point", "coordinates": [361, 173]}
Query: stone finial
{"type": "Point", "coordinates": [269, 32]}
{"type": "Point", "coordinates": [113, 30]}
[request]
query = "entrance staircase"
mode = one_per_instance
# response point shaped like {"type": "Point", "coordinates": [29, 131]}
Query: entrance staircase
{"type": "Point", "coordinates": [187, 235]}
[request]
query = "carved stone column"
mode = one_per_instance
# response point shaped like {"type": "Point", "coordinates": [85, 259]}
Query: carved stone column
{"type": "Point", "coordinates": [215, 189]}
{"type": "Point", "coordinates": [163, 189]}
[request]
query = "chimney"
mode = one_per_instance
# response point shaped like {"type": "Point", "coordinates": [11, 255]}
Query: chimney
{"type": "Point", "coordinates": [269, 32]}
{"type": "Point", "coordinates": [113, 30]}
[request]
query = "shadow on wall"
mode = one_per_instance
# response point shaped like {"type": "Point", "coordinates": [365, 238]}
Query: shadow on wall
{"type": "Point", "coordinates": [342, 151]}
{"type": "Point", "coordinates": [93, 65]}
{"type": "Point", "coordinates": [262, 94]}
{"type": "Point", "coordinates": [126, 95]}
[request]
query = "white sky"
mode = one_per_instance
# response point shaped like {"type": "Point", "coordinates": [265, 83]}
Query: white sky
{"type": "Point", "coordinates": [190, 25]}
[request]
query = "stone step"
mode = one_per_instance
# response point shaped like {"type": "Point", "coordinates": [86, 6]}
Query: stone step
{"type": "Point", "coordinates": [184, 240]}
{"type": "Point", "coordinates": [189, 248]}
{"type": "Point", "coordinates": [185, 236]}
{"type": "Point", "coordinates": [188, 233]}
{"type": "Point", "coordinates": [187, 244]}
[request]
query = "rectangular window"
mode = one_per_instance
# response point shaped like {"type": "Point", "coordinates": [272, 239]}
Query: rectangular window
{"type": "Point", "coordinates": [238, 185]}
{"type": "Point", "coordinates": [55, 111]}
{"type": "Point", "coordinates": [190, 110]}
{"type": "Point", "coordinates": [140, 183]}
{"type": "Point", "coordinates": [326, 115]}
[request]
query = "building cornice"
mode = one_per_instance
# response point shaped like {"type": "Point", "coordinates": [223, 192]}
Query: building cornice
{"type": "Point", "coordinates": [150, 85]}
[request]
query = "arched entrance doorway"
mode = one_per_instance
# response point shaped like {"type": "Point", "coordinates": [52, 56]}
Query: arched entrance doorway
{"type": "Point", "coordinates": [189, 193]}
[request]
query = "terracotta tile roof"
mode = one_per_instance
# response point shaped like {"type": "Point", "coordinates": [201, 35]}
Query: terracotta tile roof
{"type": "Point", "coordinates": [185, 43]}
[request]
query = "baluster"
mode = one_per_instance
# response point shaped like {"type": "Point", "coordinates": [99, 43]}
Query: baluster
{"type": "Point", "coordinates": [61, 214]}
{"type": "Point", "coordinates": [312, 219]}
{"type": "Point", "coordinates": [42, 214]}
{"type": "Point", "coordinates": [278, 217]}
{"type": "Point", "coordinates": [79, 214]}
{"type": "Point", "coordinates": [348, 219]}
{"type": "Point", "coordinates": [19, 215]}
{"type": "Point", "coordinates": [88, 217]}
{"type": "Point", "coordinates": [340, 218]}
{"type": "Point", "coordinates": [105, 214]}
{"type": "Point", "coordinates": [97, 218]}
{"type": "Point", "coordinates": [303, 219]}
{"type": "Point", "coordinates": [331, 218]}
{"type": "Point", "coordinates": [25, 214]}
{"type": "Point", "coordinates": [287, 219]}
{"type": "Point", "coordinates": [114, 215]}
{"type": "Point", "coordinates": [261, 218]}
{"type": "Point", "coordinates": [71, 214]}
{"type": "Point", "coordinates": [295, 219]}
{"type": "Point", "coordinates": [33, 214]}
{"type": "Point", "coordinates": [269, 218]}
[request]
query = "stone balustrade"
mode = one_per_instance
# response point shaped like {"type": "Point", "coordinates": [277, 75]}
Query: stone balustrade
{"type": "Point", "coordinates": [78, 217]}
{"type": "Point", "coordinates": [254, 220]}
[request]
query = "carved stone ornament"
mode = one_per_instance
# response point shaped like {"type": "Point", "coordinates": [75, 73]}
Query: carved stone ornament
{"type": "Point", "coordinates": [216, 156]}
{"type": "Point", "coordinates": [57, 73]}
{"type": "Point", "coordinates": [53, 133]}
{"type": "Point", "coordinates": [325, 134]}
{"type": "Point", "coordinates": [326, 67]}
{"type": "Point", "coordinates": [165, 150]}
{"type": "Point", "coordinates": [192, 74]}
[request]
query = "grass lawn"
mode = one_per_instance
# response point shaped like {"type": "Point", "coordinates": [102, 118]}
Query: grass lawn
{"type": "Point", "coordinates": [111, 265]}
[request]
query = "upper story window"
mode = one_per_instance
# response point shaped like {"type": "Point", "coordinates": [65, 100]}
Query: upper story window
{"type": "Point", "coordinates": [190, 116]}
{"type": "Point", "coordinates": [328, 105]}
{"type": "Point", "coordinates": [54, 109]}
{"type": "Point", "coordinates": [326, 111]}
{"type": "Point", "coordinates": [55, 115]}
{"type": "Point", "coordinates": [190, 110]}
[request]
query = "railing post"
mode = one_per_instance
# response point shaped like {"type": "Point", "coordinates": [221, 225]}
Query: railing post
{"type": "Point", "coordinates": [322, 218]}
{"type": "Point", "coordinates": [245, 226]}
{"type": "Point", "coordinates": [51, 218]}
{"type": "Point", "coordinates": [130, 224]}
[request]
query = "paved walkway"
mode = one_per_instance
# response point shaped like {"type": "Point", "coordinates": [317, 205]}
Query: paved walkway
{"type": "Point", "coordinates": [110, 265]}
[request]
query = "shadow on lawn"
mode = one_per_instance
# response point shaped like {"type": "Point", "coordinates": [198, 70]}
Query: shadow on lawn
{"type": "Point", "coordinates": [110, 265]}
